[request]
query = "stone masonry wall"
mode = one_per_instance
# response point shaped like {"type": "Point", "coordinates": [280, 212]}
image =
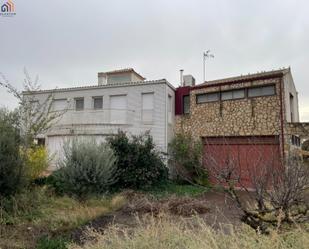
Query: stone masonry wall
{"type": "Point", "coordinates": [243, 117]}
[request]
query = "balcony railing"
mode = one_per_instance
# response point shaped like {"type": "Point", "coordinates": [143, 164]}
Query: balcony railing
{"type": "Point", "coordinates": [96, 117]}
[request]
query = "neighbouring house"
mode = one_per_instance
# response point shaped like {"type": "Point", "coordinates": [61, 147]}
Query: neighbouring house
{"type": "Point", "coordinates": [122, 99]}
{"type": "Point", "coordinates": [246, 121]}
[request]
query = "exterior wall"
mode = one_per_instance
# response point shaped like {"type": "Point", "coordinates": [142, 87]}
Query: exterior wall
{"type": "Point", "coordinates": [135, 77]}
{"type": "Point", "coordinates": [97, 123]}
{"type": "Point", "coordinates": [170, 115]}
{"type": "Point", "coordinates": [256, 116]}
{"type": "Point", "coordinates": [289, 88]}
{"type": "Point", "coordinates": [118, 78]}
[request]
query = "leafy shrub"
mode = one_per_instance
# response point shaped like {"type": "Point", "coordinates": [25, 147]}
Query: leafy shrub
{"type": "Point", "coordinates": [139, 164]}
{"type": "Point", "coordinates": [36, 159]}
{"type": "Point", "coordinates": [48, 243]}
{"type": "Point", "coordinates": [185, 159]}
{"type": "Point", "coordinates": [87, 168]}
{"type": "Point", "coordinates": [11, 163]}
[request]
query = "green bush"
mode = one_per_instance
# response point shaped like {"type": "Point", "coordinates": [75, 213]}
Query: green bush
{"type": "Point", "coordinates": [87, 168]}
{"type": "Point", "coordinates": [185, 159]}
{"type": "Point", "coordinates": [36, 159]}
{"type": "Point", "coordinates": [11, 163]}
{"type": "Point", "coordinates": [48, 243]}
{"type": "Point", "coordinates": [139, 164]}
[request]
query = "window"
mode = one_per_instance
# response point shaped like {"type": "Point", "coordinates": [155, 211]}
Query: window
{"type": "Point", "coordinates": [41, 141]}
{"type": "Point", "coordinates": [118, 112]}
{"type": "Point", "coordinates": [186, 104]}
{"type": "Point", "coordinates": [169, 109]}
{"type": "Point", "coordinates": [147, 107]}
{"type": "Point", "coordinates": [79, 104]}
{"type": "Point", "coordinates": [292, 107]}
{"type": "Point", "coordinates": [233, 94]}
{"type": "Point", "coordinates": [97, 103]}
{"type": "Point", "coordinates": [207, 97]}
{"type": "Point", "coordinates": [295, 140]}
{"type": "Point", "coordinates": [59, 104]}
{"type": "Point", "coordinates": [147, 101]}
{"type": "Point", "coordinates": [261, 91]}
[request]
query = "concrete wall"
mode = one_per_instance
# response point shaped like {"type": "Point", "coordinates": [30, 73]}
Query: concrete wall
{"type": "Point", "coordinates": [289, 88]}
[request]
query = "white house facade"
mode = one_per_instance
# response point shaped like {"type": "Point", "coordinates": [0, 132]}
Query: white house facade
{"type": "Point", "coordinates": [121, 100]}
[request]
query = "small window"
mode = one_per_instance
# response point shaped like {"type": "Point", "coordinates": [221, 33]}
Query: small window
{"type": "Point", "coordinates": [97, 103]}
{"type": "Point", "coordinates": [186, 104]}
{"type": "Point", "coordinates": [41, 141]}
{"type": "Point", "coordinates": [207, 97]}
{"type": "Point", "coordinates": [227, 95]}
{"type": "Point", "coordinates": [79, 104]}
{"type": "Point", "coordinates": [261, 91]}
{"type": "Point", "coordinates": [169, 107]}
{"type": "Point", "coordinates": [234, 94]}
{"type": "Point", "coordinates": [295, 140]}
{"type": "Point", "coordinates": [239, 94]}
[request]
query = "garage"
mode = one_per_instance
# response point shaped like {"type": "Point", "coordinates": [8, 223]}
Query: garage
{"type": "Point", "coordinates": [244, 159]}
{"type": "Point", "coordinates": [54, 145]}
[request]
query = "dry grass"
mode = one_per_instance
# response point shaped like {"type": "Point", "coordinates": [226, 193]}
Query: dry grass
{"type": "Point", "coordinates": [54, 216]}
{"type": "Point", "coordinates": [184, 206]}
{"type": "Point", "coordinates": [166, 233]}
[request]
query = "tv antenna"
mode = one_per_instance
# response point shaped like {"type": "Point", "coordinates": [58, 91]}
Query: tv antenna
{"type": "Point", "coordinates": [206, 55]}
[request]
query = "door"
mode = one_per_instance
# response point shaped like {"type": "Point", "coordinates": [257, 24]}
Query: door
{"type": "Point", "coordinates": [244, 159]}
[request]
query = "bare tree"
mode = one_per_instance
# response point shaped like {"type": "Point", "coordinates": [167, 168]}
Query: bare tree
{"type": "Point", "coordinates": [276, 189]}
{"type": "Point", "coordinates": [35, 116]}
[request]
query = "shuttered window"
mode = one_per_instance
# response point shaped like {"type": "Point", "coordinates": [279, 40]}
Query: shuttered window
{"type": "Point", "coordinates": [147, 108]}
{"type": "Point", "coordinates": [118, 109]}
{"type": "Point", "coordinates": [59, 104]}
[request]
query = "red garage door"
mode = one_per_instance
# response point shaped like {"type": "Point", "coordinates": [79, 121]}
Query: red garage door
{"type": "Point", "coordinates": [243, 159]}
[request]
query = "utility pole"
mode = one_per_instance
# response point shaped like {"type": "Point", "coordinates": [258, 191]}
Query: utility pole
{"type": "Point", "coordinates": [206, 55]}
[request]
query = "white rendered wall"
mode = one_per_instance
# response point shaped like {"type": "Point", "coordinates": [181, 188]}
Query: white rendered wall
{"type": "Point", "coordinates": [98, 124]}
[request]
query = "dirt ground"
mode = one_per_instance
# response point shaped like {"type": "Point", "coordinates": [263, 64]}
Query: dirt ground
{"type": "Point", "coordinates": [217, 209]}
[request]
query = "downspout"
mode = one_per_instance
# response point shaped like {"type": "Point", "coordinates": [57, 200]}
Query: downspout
{"type": "Point", "coordinates": [281, 117]}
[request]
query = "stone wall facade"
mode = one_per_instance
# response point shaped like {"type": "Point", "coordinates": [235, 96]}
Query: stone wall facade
{"type": "Point", "coordinates": [256, 116]}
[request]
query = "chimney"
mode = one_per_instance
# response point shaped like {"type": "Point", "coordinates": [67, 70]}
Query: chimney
{"type": "Point", "coordinates": [181, 77]}
{"type": "Point", "coordinates": [188, 80]}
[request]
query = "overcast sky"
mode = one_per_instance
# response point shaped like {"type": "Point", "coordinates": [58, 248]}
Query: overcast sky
{"type": "Point", "coordinates": [67, 42]}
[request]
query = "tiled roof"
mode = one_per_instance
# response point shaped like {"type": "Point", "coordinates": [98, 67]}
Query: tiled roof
{"type": "Point", "coordinates": [124, 70]}
{"type": "Point", "coordinates": [102, 86]}
{"type": "Point", "coordinates": [247, 77]}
